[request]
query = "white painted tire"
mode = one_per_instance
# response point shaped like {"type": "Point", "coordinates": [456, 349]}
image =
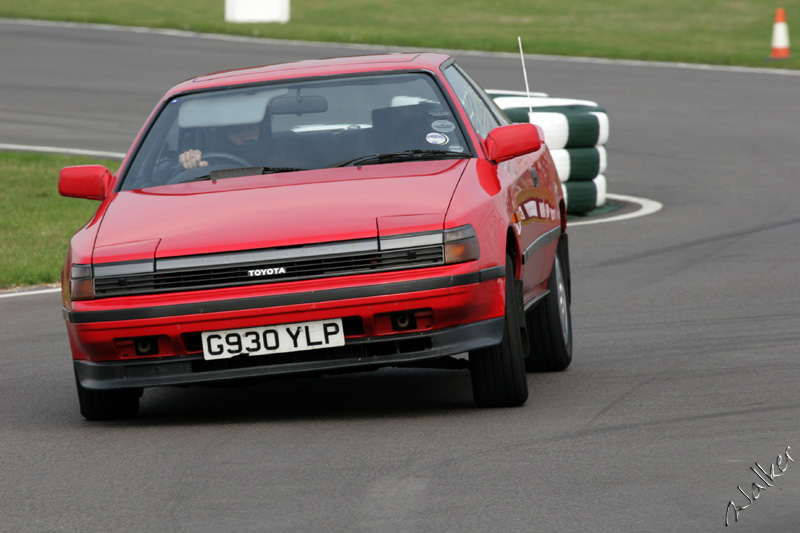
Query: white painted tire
{"type": "Point", "coordinates": [567, 123]}
{"type": "Point", "coordinates": [580, 164]}
{"type": "Point", "coordinates": [575, 132]}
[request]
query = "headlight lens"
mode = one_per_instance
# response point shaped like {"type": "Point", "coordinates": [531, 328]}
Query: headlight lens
{"type": "Point", "coordinates": [460, 245]}
{"type": "Point", "coordinates": [81, 283]}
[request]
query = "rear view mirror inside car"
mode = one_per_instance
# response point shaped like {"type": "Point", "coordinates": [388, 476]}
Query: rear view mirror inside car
{"type": "Point", "coordinates": [298, 105]}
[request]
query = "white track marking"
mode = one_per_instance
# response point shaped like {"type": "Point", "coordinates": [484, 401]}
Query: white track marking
{"type": "Point", "coordinates": [646, 207]}
{"type": "Point", "coordinates": [57, 150]}
{"type": "Point", "coordinates": [28, 293]}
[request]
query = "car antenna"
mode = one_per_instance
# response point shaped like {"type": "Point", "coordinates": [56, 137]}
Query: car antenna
{"type": "Point", "coordinates": [525, 75]}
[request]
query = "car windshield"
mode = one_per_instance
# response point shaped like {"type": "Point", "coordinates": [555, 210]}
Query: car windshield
{"type": "Point", "coordinates": [298, 125]}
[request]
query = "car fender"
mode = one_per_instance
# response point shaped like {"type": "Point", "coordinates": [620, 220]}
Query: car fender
{"type": "Point", "coordinates": [478, 200]}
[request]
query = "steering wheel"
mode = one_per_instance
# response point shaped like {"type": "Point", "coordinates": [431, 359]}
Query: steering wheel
{"type": "Point", "coordinates": [200, 171]}
{"type": "Point", "coordinates": [228, 156]}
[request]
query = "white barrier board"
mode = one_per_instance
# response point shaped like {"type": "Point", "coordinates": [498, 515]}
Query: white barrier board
{"type": "Point", "coordinates": [256, 10]}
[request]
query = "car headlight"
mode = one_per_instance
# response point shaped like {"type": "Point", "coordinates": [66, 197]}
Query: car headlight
{"type": "Point", "coordinates": [81, 282]}
{"type": "Point", "coordinates": [460, 245]}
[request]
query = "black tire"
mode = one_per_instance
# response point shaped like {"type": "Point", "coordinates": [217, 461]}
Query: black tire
{"type": "Point", "coordinates": [549, 324]}
{"type": "Point", "coordinates": [108, 404]}
{"type": "Point", "coordinates": [498, 372]}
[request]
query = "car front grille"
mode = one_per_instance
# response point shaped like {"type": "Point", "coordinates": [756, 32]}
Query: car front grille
{"type": "Point", "coordinates": [254, 268]}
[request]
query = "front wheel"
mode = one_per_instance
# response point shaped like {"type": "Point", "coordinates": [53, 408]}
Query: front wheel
{"type": "Point", "coordinates": [549, 324]}
{"type": "Point", "coordinates": [498, 372]}
{"type": "Point", "coordinates": [108, 404]}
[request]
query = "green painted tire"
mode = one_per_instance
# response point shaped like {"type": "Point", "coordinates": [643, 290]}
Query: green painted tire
{"type": "Point", "coordinates": [580, 164]}
{"type": "Point", "coordinates": [584, 196]}
{"type": "Point", "coordinates": [567, 123]}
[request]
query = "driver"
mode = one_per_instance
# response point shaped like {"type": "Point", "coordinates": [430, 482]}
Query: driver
{"type": "Point", "coordinates": [240, 140]}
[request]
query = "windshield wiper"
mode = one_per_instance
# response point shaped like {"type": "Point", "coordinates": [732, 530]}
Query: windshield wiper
{"type": "Point", "coordinates": [276, 170]}
{"type": "Point", "coordinates": [405, 155]}
{"type": "Point", "coordinates": [215, 175]}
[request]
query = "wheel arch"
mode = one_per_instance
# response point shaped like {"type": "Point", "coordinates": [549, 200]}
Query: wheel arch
{"type": "Point", "coordinates": [563, 250]}
{"type": "Point", "coordinates": [513, 250]}
{"type": "Point", "coordinates": [562, 209]}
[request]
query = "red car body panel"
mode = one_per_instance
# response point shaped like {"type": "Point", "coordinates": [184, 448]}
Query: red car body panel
{"type": "Point", "coordinates": [514, 207]}
{"type": "Point", "coordinates": [297, 208]}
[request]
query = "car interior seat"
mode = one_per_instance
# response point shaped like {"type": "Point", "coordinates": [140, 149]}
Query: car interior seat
{"type": "Point", "coordinates": [400, 128]}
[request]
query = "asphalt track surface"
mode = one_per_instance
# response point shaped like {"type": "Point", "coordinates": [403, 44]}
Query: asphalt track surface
{"type": "Point", "coordinates": [687, 332]}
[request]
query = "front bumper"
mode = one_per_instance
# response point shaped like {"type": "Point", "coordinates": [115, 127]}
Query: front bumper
{"type": "Point", "coordinates": [462, 312]}
{"type": "Point", "coordinates": [356, 354]}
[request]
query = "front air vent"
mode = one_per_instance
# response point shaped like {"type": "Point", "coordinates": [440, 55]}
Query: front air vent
{"type": "Point", "coordinates": [269, 266]}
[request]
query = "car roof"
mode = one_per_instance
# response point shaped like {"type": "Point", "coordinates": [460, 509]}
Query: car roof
{"type": "Point", "coordinates": [313, 68]}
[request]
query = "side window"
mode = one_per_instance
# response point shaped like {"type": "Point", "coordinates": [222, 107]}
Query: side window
{"type": "Point", "coordinates": [480, 115]}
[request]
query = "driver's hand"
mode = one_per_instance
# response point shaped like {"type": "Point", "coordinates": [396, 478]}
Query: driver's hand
{"type": "Point", "coordinates": [192, 159]}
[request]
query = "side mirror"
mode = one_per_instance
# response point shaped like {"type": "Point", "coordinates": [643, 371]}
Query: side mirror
{"type": "Point", "coordinates": [508, 142]}
{"type": "Point", "coordinates": [86, 181]}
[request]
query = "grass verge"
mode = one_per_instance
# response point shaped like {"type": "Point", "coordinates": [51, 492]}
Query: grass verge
{"type": "Point", "coordinates": [37, 222]}
{"type": "Point", "coordinates": [723, 32]}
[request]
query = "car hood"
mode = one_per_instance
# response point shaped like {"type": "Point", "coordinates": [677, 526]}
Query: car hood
{"type": "Point", "coordinates": [274, 210]}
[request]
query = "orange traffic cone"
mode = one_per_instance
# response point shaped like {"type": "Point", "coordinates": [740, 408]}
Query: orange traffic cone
{"type": "Point", "coordinates": [780, 36]}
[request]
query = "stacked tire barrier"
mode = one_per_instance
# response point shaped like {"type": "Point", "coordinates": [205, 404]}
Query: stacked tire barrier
{"type": "Point", "coordinates": [576, 132]}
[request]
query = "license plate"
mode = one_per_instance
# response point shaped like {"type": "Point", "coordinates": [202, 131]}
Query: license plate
{"type": "Point", "coordinates": [273, 339]}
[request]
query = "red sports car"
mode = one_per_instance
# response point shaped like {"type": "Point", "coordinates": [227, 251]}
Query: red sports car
{"type": "Point", "coordinates": [319, 217]}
